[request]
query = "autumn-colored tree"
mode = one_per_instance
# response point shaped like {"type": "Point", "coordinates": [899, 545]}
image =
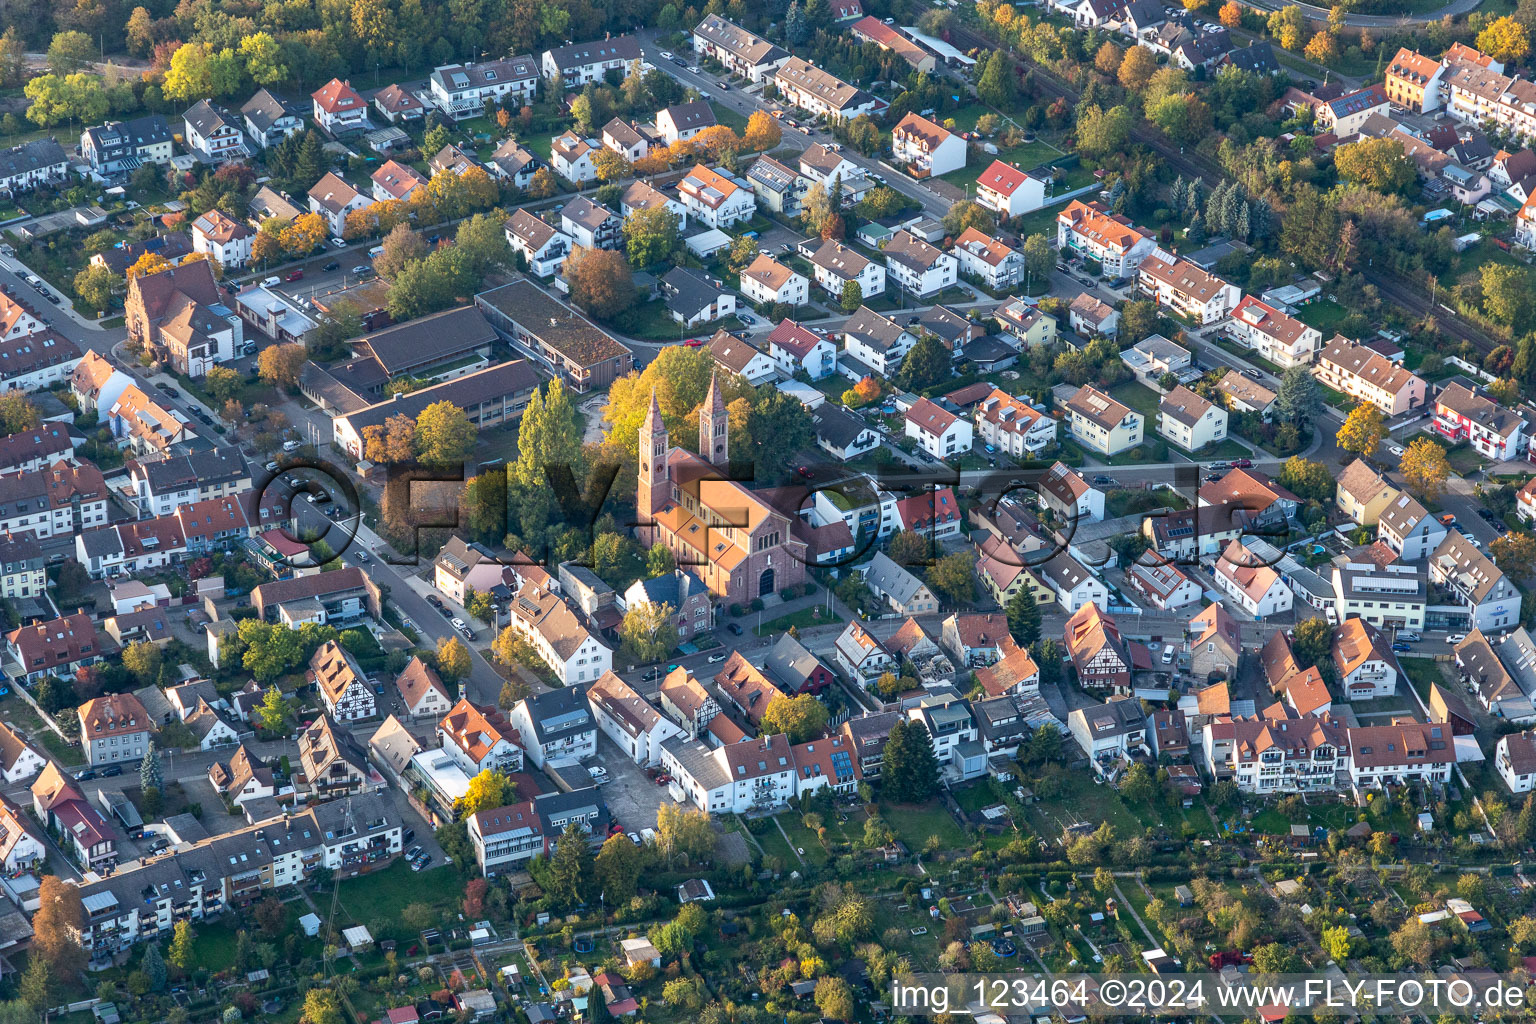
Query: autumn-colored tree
{"type": "Point", "coordinates": [611, 166]}
{"type": "Point", "coordinates": [307, 231]}
{"type": "Point", "coordinates": [1288, 25]}
{"type": "Point", "coordinates": [487, 790]}
{"type": "Point", "coordinates": [149, 263]}
{"type": "Point", "coordinates": [543, 184]}
{"type": "Point", "coordinates": [60, 916]}
{"type": "Point", "coordinates": [360, 223]}
{"type": "Point", "coordinates": [392, 443]}
{"type": "Point", "coordinates": [1231, 14]}
{"type": "Point", "coordinates": [279, 365]}
{"type": "Point", "coordinates": [1515, 553]}
{"type": "Point", "coordinates": [444, 435]}
{"type": "Point", "coordinates": [600, 281]}
{"type": "Point", "coordinates": [1137, 68]}
{"type": "Point", "coordinates": [1363, 430]}
{"type": "Point", "coordinates": [1108, 59]}
{"type": "Point", "coordinates": [1425, 468]}
{"type": "Point", "coordinates": [453, 660]}
{"type": "Point", "coordinates": [1505, 39]}
{"type": "Point", "coordinates": [1322, 48]}
{"type": "Point", "coordinates": [763, 131]}
{"type": "Point", "coordinates": [652, 163]}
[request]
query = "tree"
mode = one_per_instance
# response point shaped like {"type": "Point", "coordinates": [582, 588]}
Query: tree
{"type": "Point", "coordinates": [1307, 479]}
{"type": "Point", "coordinates": [321, 1006]}
{"type": "Point", "coordinates": [650, 236]}
{"type": "Point", "coordinates": [763, 132]}
{"type": "Point", "coordinates": [37, 986]}
{"type": "Point", "coordinates": [444, 435]}
{"type": "Point", "coordinates": [1231, 14]}
{"type": "Point", "coordinates": [1515, 553]}
{"type": "Point", "coordinates": [70, 52]}
{"type": "Point", "coordinates": [223, 383]}
{"type": "Point", "coordinates": [910, 771]}
{"type": "Point", "coordinates": [611, 166]}
{"type": "Point", "coordinates": [1275, 958]}
{"type": "Point", "coordinates": [1288, 26]}
{"type": "Point", "coordinates": [150, 775]}
{"type": "Point", "coordinates": [513, 691]}
{"type": "Point", "coordinates": [648, 632]}
{"type": "Point", "coordinates": [273, 711]}
{"type": "Point", "coordinates": [1312, 642]}
{"type": "Point", "coordinates": [1413, 941]}
{"type": "Point", "coordinates": [1039, 260]}
{"type": "Point", "coordinates": [143, 660]}
{"type": "Point", "coordinates": [928, 363]}
{"type": "Point", "coordinates": [59, 98]}
{"type": "Point", "coordinates": [17, 413]}
{"type": "Point", "coordinates": [154, 963]}
{"type": "Point", "coordinates": [1101, 132]}
{"type": "Point", "coordinates": [1503, 39]}
{"type": "Point", "coordinates": [683, 831]}
{"type": "Point", "coordinates": [60, 916]}
{"type": "Point", "coordinates": [953, 578]}
{"type": "Point", "coordinates": [1506, 294]}
{"type": "Point", "coordinates": [800, 718]}
{"type": "Point", "coordinates": [263, 58]}
{"type": "Point", "coordinates": [600, 281]}
{"type": "Point", "coordinates": [1322, 48]}
{"type": "Point", "coordinates": [1107, 59]}
{"type": "Point", "coordinates": [182, 954]}
{"type": "Point", "coordinates": [307, 231]}
{"type": "Point", "coordinates": [1023, 613]}
{"type": "Point", "coordinates": [967, 214]}
{"type": "Point", "coordinates": [816, 208]}
{"type": "Point", "coordinates": [188, 79]}
{"type": "Point", "coordinates": [833, 996]}
{"type": "Point", "coordinates": [401, 246]}
{"type": "Point", "coordinates": [94, 286]}
{"type": "Point", "coordinates": [1363, 431]}
{"type": "Point", "coordinates": [1137, 68]}
{"type": "Point", "coordinates": [453, 661]}
{"type": "Point", "coordinates": [1380, 164]}
{"type": "Point", "coordinates": [852, 297]}
{"type": "Point", "coordinates": [279, 365]}
{"type": "Point", "coordinates": [1297, 400]}
{"type": "Point", "coordinates": [487, 791]}
{"type": "Point", "coordinates": [996, 86]}
{"type": "Point", "coordinates": [269, 650]}
{"type": "Point", "coordinates": [394, 442]}
{"type": "Point", "coordinates": [618, 867]}
{"type": "Point", "coordinates": [571, 866]}
{"type": "Point", "coordinates": [1424, 468]}
{"type": "Point", "coordinates": [549, 435]}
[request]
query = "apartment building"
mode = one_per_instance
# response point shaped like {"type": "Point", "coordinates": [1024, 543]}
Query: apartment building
{"type": "Point", "coordinates": [1186, 289]}
{"type": "Point", "coordinates": [1363, 494]}
{"type": "Point", "coordinates": [462, 90]}
{"type": "Point", "coordinates": [714, 199]}
{"type": "Point", "coordinates": [794, 348]}
{"type": "Point", "coordinates": [576, 64]}
{"type": "Point", "coordinates": [1092, 231]}
{"type": "Point", "coordinates": [743, 53]}
{"type": "Point", "coordinates": [988, 259]}
{"type": "Point", "coordinates": [1390, 596]}
{"type": "Point", "coordinates": [1409, 530]}
{"type": "Point", "coordinates": [1008, 191]}
{"type": "Point", "coordinates": [1363, 662]}
{"type": "Point", "coordinates": [556, 725]}
{"type": "Point", "coordinates": [1413, 81]}
{"type": "Point", "coordinates": [836, 264]}
{"type": "Point", "coordinates": [1101, 423]}
{"type": "Point", "coordinates": [919, 269]}
{"type": "Point", "coordinates": [1285, 754]}
{"type": "Point", "coordinates": [939, 432]}
{"type": "Point", "coordinates": [563, 643]}
{"type": "Point", "coordinates": [1369, 376]}
{"type": "Point", "coordinates": [1465, 413]}
{"type": "Point", "coordinates": [1276, 336]}
{"type": "Point", "coordinates": [820, 93]}
{"type": "Point", "coordinates": [1400, 753]}
{"type": "Point", "coordinates": [1013, 426]}
{"type": "Point", "coordinates": [1190, 421]}
{"type": "Point", "coordinates": [1477, 592]}
{"type": "Point", "coordinates": [927, 149]}
{"type": "Point", "coordinates": [766, 281]}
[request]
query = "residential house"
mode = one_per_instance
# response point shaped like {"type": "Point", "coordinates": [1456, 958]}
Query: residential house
{"type": "Point", "coordinates": [22, 570]}
{"type": "Point", "coordinates": [1190, 421]}
{"type": "Point", "coordinates": [836, 265]}
{"type": "Point", "coordinates": [462, 90]}
{"type": "Point", "coordinates": [1092, 231]}
{"type": "Point", "coordinates": [343, 685]}
{"type": "Point", "coordinates": [343, 595]}
{"type": "Point", "coordinates": [1186, 289]}
{"type": "Point", "coordinates": [1284, 754]}
{"type": "Point", "coordinates": [543, 247]}
{"type": "Point", "coordinates": [178, 314]}
{"type": "Point", "coordinates": [243, 777]}
{"type": "Point", "coordinates": [694, 298]}
{"type": "Point", "coordinates": [396, 181]}
{"type": "Point", "coordinates": [1091, 317]}
{"type": "Point", "coordinates": [422, 692]}
{"type": "Point", "coordinates": [21, 842]}
{"type": "Point", "coordinates": [877, 341]}
{"type": "Point", "coordinates": [629, 720]}
{"type": "Point", "coordinates": [1013, 426]}
{"type": "Point", "coordinates": [1066, 493]}
{"type": "Point", "coordinates": [556, 725]}
{"type": "Point", "coordinates": [752, 775]}
{"type": "Point", "coordinates": [332, 198]}
{"type": "Point", "coordinates": [743, 53]}
{"type": "Point", "coordinates": [692, 604]}
{"type": "Point", "coordinates": [62, 808]}
{"type": "Point", "coordinates": [1367, 375]}
{"type": "Point", "coordinates": [1163, 585]}
{"type": "Point", "coordinates": [1465, 413]}
{"type": "Point", "coordinates": [1101, 658]}
{"type": "Point", "coordinates": [1154, 356]}
{"type": "Point", "coordinates": [641, 196]}
{"type": "Point", "coordinates": [339, 109]}
{"type": "Point", "coordinates": [113, 728]}
{"type": "Point", "coordinates": [1413, 81]}
{"type": "Point", "coordinates": [939, 432]}
{"type": "Point", "coordinates": [1101, 423]}
{"type": "Point", "coordinates": [563, 643]}
{"type": "Point", "coordinates": [820, 93]}
{"type": "Point", "coordinates": [841, 433]}
{"type": "Point", "coordinates": [480, 739]}
{"type": "Point", "coordinates": [778, 187]}
{"type": "Point", "coordinates": [225, 240]}
{"type": "Point", "coordinates": [1252, 497]}
{"type": "Point", "coordinates": [934, 513]}
{"type": "Point", "coordinates": [1215, 644]}
{"type": "Point", "coordinates": [1072, 582]}
{"type": "Point", "coordinates": [1110, 732]}
{"type": "Point", "coordinates": [687, 702]}
{"type": "Point", "coordinates": [825, 164]}
{"type": "Point", "coordinates": [766, 281]}
{"type": "Point", "coordinates": [1400, 753]}
{"type": "Point", "coordinates": [742, 358]}
{"type": "Point", "coordinates": [213, 134]}
{"type": "Point", "coordinates": [714, 199]}
{"type": "Point", "coordinates": [332, 762]}
{"type": "Point", "coordinates": [1409, 530]}
{"type": "Point", "coordinates": [1363, 662]}
{"type": "Point", "coordinates": [860, 655]}
{"type": "Point", "coordinates": [795, 348]}
{"type": "Point", "coordinates": [399, 106]}
{"type": "Point", "coordinates": [684, 120]}
{"type": "Point", "coordinates": [1387, 596]}
{"type": "Point", "coordinates": [1255, 586]}
{"type": "Point", "coordinates": [1363, 494]}
{"type": "Point", "coordinates": [904, 592]}
{"type": "Point", "coordinates": [984, 258]}
{"type": "Point", "coordinates": [19, 760]}
{"type": "Point", "coordinates": [121, 147]}
{"type": "Point", "coordinates": [1480, 596]}
{"type": "Point", "coordinates": [1514, 756]}
{"type": "Point", "coordinates": [927, 149]}
{"type": "Point", "coordinates": [1009, 191]}
{"type": "Point", "coordinates": [795, 670]}
{"type": "Point", "coordinates": [745, 688]}
{"type": "Point", "coordinates": [571, 157]}
{"type": "Point", "coordinates": [1345, 115]}
{"type": "Point", "coordinates": [54, 648]}
{"type": "Point", "coordinates": [576, 64]}
{"type": "Point", "coordinates": [1272, 334]}
{"type": "Point", "coordinates": [514, 162]}
{"type": "Point", "coordinates": [58, 500]}
{"type": "Point", "coordinates": [1244, 394]}
{"type": "Point", "coordinates": [894, 40]}
{"type": "Point", "coordinates": [35, 361]}
{"type": "Point", "coordinates": [1025, 324]}
{"type": "Point", "coordinates": [917, 268]}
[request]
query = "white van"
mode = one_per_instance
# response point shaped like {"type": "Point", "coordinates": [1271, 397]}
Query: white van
{"type": "Point", "coordinates": [291, 446]}
{"type": "Point", "coordinates": [376, 252]}
{"type": "Point", "coordinates": [272, 282]}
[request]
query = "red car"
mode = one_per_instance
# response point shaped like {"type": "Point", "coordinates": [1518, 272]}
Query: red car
{"type": "Point", "coordinates": [1242, 463]}
{"type": "Point", "coordinates": [694, 343]}
{"type": "Point", "coordinates": [295, 275]}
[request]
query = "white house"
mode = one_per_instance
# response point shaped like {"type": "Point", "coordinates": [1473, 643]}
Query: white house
{"type": "Point", "coordinates": [543, 246]}
{"type": "Point", "coordinates": [576, 64]}
{"type": "Point", "coordinates": [1009, 191]}
{"type": "Point", "coordinates": [1515, 758]}
{"type": "Point", "coordinates": [748, 55]}
{"type": "Point", "coordinates": [684, 120]}
{"type": "Point", "coordinates": [460, 90]}
{"type": "Point", "coordinates": [1163, 585]}
{"type": "Point", "coordinates": [571, 157]}
{"type": "Point", "coordinates": [928, 149]}
{"type": "Point", "coordinates": [825, 164]}
{"type": "Point", "coordinates": [19, 760]}
{"type": "Point", "coordinates": [1072, 583]}
{"type": "Point", "coordinates": [342, 683]}
{"type": "Point", "coordinates": [1190, 421]}
{"type": "Point", "coordinates": [1408, 528]}
{"type": "Point", "coordinates": [1363, 661]}
{"type": "Point", "coordinates": [226, 240]}
{"type": "Point", "coordinates": [1111, 731]}
{"type": "Point", "coordinates": [333, 199]}
{"type": "Point", "coordinates": [213, 134]}
{"type": "Point", "coordinates": [877, 341]}
{"type": "Point", "coordinates": [556, 725]}
{"type": "Point", "coordinates": [1013, 426]}
{"type": "Point", "coordinates": [562, 642]}
{"type": "Point", "coordinates": [766, 281]}
{"type": "Point", "coordinates": [937, 431]}
{"type": "Point", "coordinates": [794, 348]}
{"type": "Point", "coordinates": [919, 269]}
{"type": "Point", "coordinates": [1091, 230]}
{"type": "Point", "coordinates": [339, 109]}
{"type": "Point", "coordinates": [752, 775]}
{"type": "Point", "coordinates": [1186, 289]}
{"type": "Point", "coordinates": [1278, 337]}
{"type": "Point", "coordinates": [836, 264]}
{"type": "Point", "coordinates": [859, 654]}
{"type": "Point", "coordinates": [981, 256]}
{"type": "Point", "coordinates": [739, 357]}
{"type": "Point", "coordinates": [715, 199]}
{"type": "Point", "coordinates": [1256, 587]}
{"type": "Point", "coordinates": [629, 720]}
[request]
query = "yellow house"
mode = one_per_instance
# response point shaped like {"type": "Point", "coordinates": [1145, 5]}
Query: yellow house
{"type": "Point", "coordinates": [1101, 423]}
{"type": "Point", "coordinates": [1362, 493]}
{"type": "Point", "coordinates": [999, 569]}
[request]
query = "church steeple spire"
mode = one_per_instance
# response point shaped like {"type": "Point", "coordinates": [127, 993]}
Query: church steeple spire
{"type": "Point", "coordinates": [653, 487]}
{"type": "Point", "coordinates": [714, 425]}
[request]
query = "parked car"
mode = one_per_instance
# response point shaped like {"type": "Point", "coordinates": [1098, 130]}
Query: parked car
{"type": "Point", "coordinates": [1409, 638]}
{"type": "Point", "coordinates": [459, 623]}
{"type": "Point", "coordinates": [735, 628]}
{"type": "Point", "coordinates": [333, 265]}
{"type": "Point", "coordinates": [111, 771]}
{"type": "Point", "coordinates": [1242, 463]}
{"type": "Point", "coordinates": [362, 269]}
{"type": "Point", "coordinates": [1169, 653]}
{"type": "Point", "coordinates": [666, 54]}
{"type": "Point", "coordinates": [295, 275]}
{"type": "Point", "coordinates": [1401, 648]}
{"type": "Point", "coordinates": [271, 282]}
{"type": "Point", "coordinates": [1395, 449]}
{"type": "Point", "coordinates": [469, 634]}
{"type": "Point", "coordinates": [1455, 638]}
{"type": "Point", "coordinates": [413, 853]}
{"type": "Point", "coordinates": [715, 658]}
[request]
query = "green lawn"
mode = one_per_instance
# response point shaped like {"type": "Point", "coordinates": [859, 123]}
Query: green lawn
{"type": "Point", "coordinates": [1324, 315]}
{"type": "Point", "coordinates": [1331, 816]}
{"type": "Point", "coordinates": [214, 946]}
{"type": "Point", "coordinates": [375, 900]}
{"type": "Point", "coordinates": [1226, 449]}
{"type": "Point", "coordinates": [774, 845]}
{"type": "Point", "coordinates": [1025, 157]}
{"type": "Point", "coordinates": [803, 838]}
{"type": "Point", "coordinates": [1139, 397]}
{"type": "Point", "coordinates": [652, 321]}
{"type": "Point", "coordinates": [914, 823]}
{"type": "Point", "coordinates": [1422, 672]}
{"type": "Point", "coordinates": [802, 619]}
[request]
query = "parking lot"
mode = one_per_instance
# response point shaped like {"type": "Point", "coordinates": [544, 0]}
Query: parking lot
{"type": "Point", "coordinates": [629, 787]}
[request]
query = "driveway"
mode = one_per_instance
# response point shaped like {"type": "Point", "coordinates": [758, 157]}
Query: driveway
{"type": "Point", "coordinates": [629, 788]}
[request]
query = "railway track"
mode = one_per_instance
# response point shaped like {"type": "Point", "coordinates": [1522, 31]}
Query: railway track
{"type": "Point", "coordinates": [1405, 294]}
